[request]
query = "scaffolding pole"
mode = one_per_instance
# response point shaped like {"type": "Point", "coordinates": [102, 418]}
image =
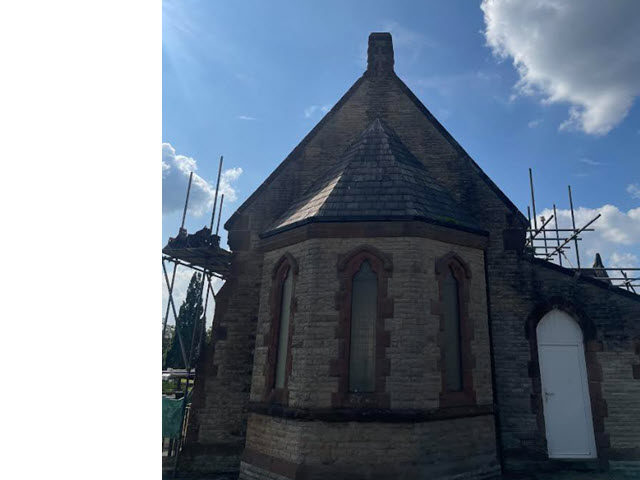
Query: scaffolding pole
{"type": "Point", "coordinates": [206, 273]}
{"type": "Point", "coordinates": [175, 266]}
{"type": "Point", "coordinates": [573, 222]}
{"type": "Point", "coordinates": [573, 237]}
{"type": "Point", "coordinates": [555, 216]}
{"type": "Point", "coordinates": [533, 200]}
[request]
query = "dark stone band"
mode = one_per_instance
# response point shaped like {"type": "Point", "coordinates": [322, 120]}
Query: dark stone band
{"type": "Point", "coordinates": [370, 414]}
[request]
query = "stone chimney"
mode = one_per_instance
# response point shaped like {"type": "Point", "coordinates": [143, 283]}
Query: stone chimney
{"type": "Point", "coordinates": [380, 54]}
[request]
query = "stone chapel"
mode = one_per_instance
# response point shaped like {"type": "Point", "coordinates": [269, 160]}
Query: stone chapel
{"type": "Point", "coordinates": [382, 319]}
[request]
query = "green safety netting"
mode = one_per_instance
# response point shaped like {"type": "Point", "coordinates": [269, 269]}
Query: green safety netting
{"type": "Point", "coordinates": [172, 416]}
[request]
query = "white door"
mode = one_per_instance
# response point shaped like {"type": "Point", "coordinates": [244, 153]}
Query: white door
{"type": "Point", "coordinates": [565, 391]}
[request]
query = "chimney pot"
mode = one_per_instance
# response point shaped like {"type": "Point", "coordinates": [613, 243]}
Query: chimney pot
{"type": "Point", "coordinates": [380, 53]}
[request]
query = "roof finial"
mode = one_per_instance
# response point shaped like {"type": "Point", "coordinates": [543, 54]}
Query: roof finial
{"type": "Point", "coordinates": [380, 53]}
{"type": "Point", "coordinates": [598, 262]}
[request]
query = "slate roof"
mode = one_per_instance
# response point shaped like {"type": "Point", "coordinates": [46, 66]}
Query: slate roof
{"type": "Point", "coordinates": [377, 178]}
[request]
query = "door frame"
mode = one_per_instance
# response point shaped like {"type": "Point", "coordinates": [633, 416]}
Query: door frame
{"type": "Point", "coordinates": [576, 344]}
{"type": "Point", "coordinates": [594, 374]}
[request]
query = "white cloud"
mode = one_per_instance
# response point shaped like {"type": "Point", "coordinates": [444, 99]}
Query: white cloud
{"type": "Point", "coordinates": [534, 123]}
{"type": "Point", "coordinates": [622, 260]}
{"type": "Point", "coordinates": [590, 162]}
{"type": "Point", "coordinates": [245, 117]}
{"type": "Point", "coordinates": [616, 236]}
{"type": "Point", "coordinates": [228, 177]}
{"type": "Point", "coordinates": [633, 189]}
{"type": "Point", "coordinates": [582, 52]}
{"type": "Point", "coordinates": [175, 179]}
{"type": "Point", "coordinates": [311, 109]}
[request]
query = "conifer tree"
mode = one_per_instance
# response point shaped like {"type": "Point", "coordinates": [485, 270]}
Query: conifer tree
{"type": "Point", "coordinates": [190, 312]}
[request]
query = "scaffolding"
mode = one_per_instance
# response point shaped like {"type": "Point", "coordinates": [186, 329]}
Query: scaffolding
{"type": "Point", "coordinates": [202, 253]}
{"type": "Point", "coordinates": [552, 244]}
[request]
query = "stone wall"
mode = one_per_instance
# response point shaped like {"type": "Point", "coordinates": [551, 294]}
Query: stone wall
{"type": "Point", "coordinates": [217, 420]}
{"type": "Point", "coordinates": [436, 448]}
{"type": "Point", "coordinates": [461, 448]}
{"type": "Point", "coordinates": [610, 319]}
{"type": "Point", "coordinates": [414, 380]}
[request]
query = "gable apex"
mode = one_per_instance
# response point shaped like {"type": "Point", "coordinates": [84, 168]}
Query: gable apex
{"type": "Point", "coordinates": [373, 95]}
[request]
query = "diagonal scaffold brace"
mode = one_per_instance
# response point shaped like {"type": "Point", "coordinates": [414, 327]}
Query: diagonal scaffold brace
{"type": "Point", "coordinates": [191, 348]}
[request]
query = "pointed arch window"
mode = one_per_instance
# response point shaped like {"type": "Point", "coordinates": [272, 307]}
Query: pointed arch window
{"type": "Point", "coordinates": [451, 311]}
{"type": "Point", "coordinates": [456, 331]}
{"type": "Point", "coordinates": [283, 330]}
{"type": "Point", "coordinates": [362, 342]}
{"type": "Point", "coordinates": [363, 305]}
{"type": "Point", "coordinates": [278, 339]}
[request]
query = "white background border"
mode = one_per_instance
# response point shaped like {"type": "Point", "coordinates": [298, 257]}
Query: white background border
{"type": "Point", "coordinates": [80, 116]}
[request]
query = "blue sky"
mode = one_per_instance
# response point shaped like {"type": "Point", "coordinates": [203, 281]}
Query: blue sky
{"type": "Point", "coordinates": [249, 79]}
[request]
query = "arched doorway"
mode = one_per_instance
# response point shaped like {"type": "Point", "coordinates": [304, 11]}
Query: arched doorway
{"type": "Point", "coordinates": [565, 388]}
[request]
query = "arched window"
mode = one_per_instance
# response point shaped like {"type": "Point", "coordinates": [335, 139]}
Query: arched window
{"type": "Point", "coordinates": [283, 330]}
{"type": "Point", "coordinates": [362, 365]}
{"type": "Point", "coordinates": [278, 339]}
{"type": "Point", "coordinates": [456, 331]}
{"type": "Point", "coordinates": [452, 352]}
{"type": "Point", "coordinates": [362, 342]}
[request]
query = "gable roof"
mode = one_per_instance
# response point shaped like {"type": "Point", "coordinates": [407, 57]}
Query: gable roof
{"type": "Point", "coordinates": [370, 73]}
{"type": "Point", "coordinates": [376, 178]}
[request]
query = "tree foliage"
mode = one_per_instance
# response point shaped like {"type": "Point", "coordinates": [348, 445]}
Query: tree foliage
{"type": "Point", "coordinates": [167, 341]}
{"type": "Point", "coordinates": [190, 312]}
